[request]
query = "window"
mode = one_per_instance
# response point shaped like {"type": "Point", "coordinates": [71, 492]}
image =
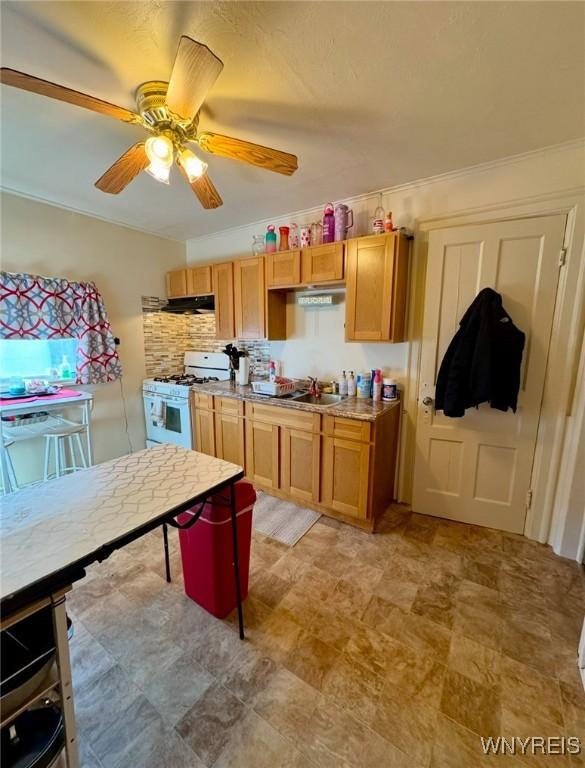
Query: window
{"type": "Point", "coordinates": [51, 359]}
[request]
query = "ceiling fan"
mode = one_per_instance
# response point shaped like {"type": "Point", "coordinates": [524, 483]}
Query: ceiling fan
{"type": "Point", "coordinates": [170, 113]}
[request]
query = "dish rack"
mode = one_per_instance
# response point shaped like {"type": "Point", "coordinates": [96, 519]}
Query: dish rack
{"type": "Point", "coordinates": [273, 388]}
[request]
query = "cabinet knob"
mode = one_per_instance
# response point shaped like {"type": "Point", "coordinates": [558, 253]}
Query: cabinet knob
{"type": "Point", "coordinates": [428, 401]}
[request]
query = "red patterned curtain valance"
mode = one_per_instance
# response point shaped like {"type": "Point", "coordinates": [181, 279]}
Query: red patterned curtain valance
{"type": "Point", "coordinates": [33, 307]}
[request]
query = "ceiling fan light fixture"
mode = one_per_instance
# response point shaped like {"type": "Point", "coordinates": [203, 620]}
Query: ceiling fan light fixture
{"type": "Point", "coordinates": [159, 171]}
{"type": "Point", "coordinates": [159, 150]}
{"type": "Point", "coordinates": [191, 164]}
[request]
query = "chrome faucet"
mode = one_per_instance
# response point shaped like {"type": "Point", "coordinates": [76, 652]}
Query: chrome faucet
{"type": "Point", "coordinates": [314, 388]}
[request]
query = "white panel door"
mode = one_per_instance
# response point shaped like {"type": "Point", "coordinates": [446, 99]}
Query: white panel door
{"type": "Point", "coordinates": [477, 469]}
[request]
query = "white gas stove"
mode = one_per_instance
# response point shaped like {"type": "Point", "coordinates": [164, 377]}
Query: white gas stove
{"type": "Point", "coordinates": [166, 398]}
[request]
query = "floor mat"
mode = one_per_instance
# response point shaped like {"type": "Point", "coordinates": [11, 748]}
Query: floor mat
{"type": "Point", "coordinates": [282, 520]}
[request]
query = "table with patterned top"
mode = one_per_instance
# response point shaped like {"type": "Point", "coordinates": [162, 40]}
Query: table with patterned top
{"type": "Point", "coordinates": [49, 533]}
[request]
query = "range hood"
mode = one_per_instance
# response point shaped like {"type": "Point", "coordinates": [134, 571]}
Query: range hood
{"type": "Point", "coordinates": [194, 305]}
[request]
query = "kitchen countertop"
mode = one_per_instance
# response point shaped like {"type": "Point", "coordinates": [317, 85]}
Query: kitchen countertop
{"type": "Point", "coordinates": [350, 408]}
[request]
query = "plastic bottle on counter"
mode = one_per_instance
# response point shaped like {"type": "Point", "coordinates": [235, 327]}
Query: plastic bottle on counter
{"type": "Point", "coordinates": [389, 389]}
{"type": "Point", "coordinates": [363, 385]}
{"type": "Point", "coordinates": [377, 387]}
{"type": "Point", "coordinates": [272, 371]}
{"type": "Point", "coordinates": [343, 384]}
{"type": "Point", "coordinates": [351, 385]}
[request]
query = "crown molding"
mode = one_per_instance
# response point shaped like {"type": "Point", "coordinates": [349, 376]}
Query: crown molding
{"type": "Point", "coordinates": [82, 212]}
{"type": "Point", "coordinates": [470, 170]}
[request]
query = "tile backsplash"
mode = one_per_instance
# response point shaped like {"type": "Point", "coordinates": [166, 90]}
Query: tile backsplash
{"type": "Point", "coordinates": [168, 336]}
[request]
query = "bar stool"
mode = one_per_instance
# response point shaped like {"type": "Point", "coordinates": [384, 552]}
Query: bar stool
{"type": "Point", "coordinates": [58, 437]}
{"type": "Point", "coordinates": [12, 484]}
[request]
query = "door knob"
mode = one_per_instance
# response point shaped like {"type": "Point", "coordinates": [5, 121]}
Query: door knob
{"type": "Point", "coordinates": [428, 401]}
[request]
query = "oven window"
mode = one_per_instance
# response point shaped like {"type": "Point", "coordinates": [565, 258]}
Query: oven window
{"type": "Point", "coordinates": [173, 418]}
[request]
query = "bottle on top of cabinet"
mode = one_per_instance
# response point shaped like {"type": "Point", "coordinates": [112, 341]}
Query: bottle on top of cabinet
{"type": "Point", "coordinates": [270, 239]}
{"type": "Point", "coordinates": [351, 385]}
{"type": "Point", "coordinates": [343, 221]}
{"type": "Point", "coordinates": [378, 220]}
{"type": "Point", "coordinates": [316, 233]}
{"type": "Point", "coordinates": [343, 384]}
{"type": "Point", "coordinates": [283, 244]}
{"type": "Point", "coordinates": [329, 224]}
{"type": "Point", "coordinates": [293, 236]}
{"type": "Point", "coordinates": [388, 223]}
{"type": "Point", "coordinates": [258, 246]}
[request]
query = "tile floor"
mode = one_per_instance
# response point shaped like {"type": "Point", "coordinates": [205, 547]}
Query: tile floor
{"type": "Point", "coordinates": [363, 651]}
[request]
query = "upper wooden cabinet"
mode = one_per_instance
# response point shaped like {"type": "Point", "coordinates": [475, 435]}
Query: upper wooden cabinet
{"type": "Point", "coordinates": [283, 269]}
{"type": "Point", "coordinates": [176, 283]}
{"type": "Point", "coordinates": [322, 263]}
{"type": "Point", "coordinates": [376, 278]}
{"type": "Point", "coordinates": [249, 298]}
{"type": "Point", "coordinates": [199, 281]}
{"type": "Point", "coordinates": [223, 288]}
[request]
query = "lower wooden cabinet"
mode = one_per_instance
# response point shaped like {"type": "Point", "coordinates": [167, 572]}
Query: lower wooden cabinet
{"type": "Point", "coordinates": [345, 478]}
{"type": "Point", "coordinates": [340, 466]}
{"type": "Point", "coordinates": [300, 464]}
{"type": "Point", "coordinates": [204, 430]}
{"type": "Point", "coordinates": [229, 438]}
{"type": "Point", "coordinates": [262, 454]}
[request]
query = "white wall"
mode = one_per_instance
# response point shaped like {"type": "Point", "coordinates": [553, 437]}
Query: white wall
{"type": "Point", "coordinates": [125, 265]}
{"type": "Point", "coordinates": [317, 343]}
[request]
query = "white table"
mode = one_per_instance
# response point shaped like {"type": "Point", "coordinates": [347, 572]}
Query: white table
{"type": "Point", "coordinates": [50, 532]}
{"type": "Point", "coordinates": [45, 403]}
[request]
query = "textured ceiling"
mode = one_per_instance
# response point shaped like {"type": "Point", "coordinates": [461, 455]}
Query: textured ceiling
{"type": "Point", "coordinates": [367, 95]}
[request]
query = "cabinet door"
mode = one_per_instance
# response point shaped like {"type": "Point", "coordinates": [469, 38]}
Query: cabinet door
{"type": "Point", "coordinates": [323, 263]}
{"type": "Point", "coordinates": [283, 269]}
{"type": "Point", "coordinates": [223, 288]}
{"type": "Point", "coordinates": [229, 438]}
{"type": "Point", "coordinates": [344, 483]}
{"type": "Point", "coordinates": [204, 432]}
{"type": "Point", "coordinates": [300, 464]}
{"type": "Point", "coordinates": [370, 272]}
{"type": "Point", "coordinates": [249, 298]}
{"type": "Point", "coordinates": [199, 281]}
{"type": "Point", "coordinates": [262, 455]}
{"type": "Point", "coordinates": [177, 283]}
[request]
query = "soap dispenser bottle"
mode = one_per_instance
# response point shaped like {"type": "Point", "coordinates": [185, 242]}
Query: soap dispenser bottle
{"type": "Point", "coordinates": [351, 385]}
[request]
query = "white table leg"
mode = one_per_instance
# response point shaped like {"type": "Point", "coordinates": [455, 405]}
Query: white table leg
{"type": "Point", "coordinates": [6, 486]}
{"type": "Point", "coordinates": [66, 686]}
{"type": "Point", "coordinates": [87, 422]}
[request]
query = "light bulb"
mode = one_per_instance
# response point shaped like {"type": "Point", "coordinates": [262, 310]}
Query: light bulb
{"type": "Point", "coordinates": [159, 171]}
{"type": "Point", "coordinates": [159, 149]}
{"type": "Point", "coordinates": [191, 164]}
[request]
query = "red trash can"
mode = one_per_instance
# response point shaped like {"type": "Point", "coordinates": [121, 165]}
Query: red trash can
{"type": "Point", "coordinates": [207, 550]}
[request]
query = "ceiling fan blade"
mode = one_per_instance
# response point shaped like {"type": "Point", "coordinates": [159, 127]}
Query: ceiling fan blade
{"type": "Point", "coordinates": [61, 93]}
{"type": "Point", "coordinates": [195, 70]}
{"type": "Point", "coordinates": [205, 190]}
{"type": "Point", "coordinates": [124, 170]}
{"type": "Point", "coordinates": [255, 154]}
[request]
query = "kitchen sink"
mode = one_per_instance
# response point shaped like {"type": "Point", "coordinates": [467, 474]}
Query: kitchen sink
{"type": "Point", "coordinates": [325, 399]}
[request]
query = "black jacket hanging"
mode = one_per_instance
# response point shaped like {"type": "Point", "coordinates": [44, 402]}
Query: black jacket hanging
{"type": "Point", "coordinates": [482, 362]}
